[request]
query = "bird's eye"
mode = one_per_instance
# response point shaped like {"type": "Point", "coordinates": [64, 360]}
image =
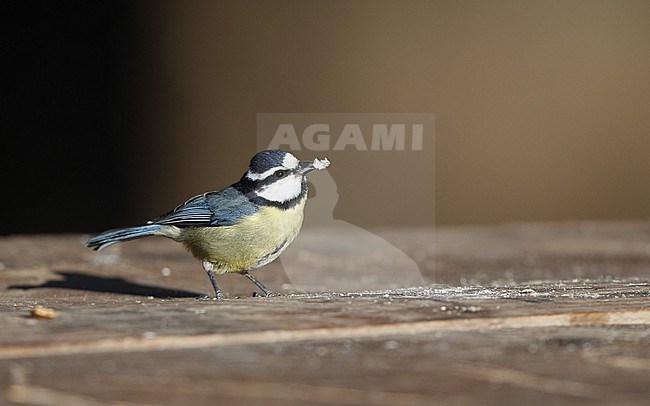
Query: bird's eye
{"type": "Point", "coordinates": [280, 174]}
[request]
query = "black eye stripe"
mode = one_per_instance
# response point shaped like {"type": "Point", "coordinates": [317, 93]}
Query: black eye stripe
{"type": "Point", "coordinates": [280, 174]}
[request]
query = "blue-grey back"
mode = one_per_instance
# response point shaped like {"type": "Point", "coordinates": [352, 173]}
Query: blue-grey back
{"type": "Point", "coordinates": [223, 208]}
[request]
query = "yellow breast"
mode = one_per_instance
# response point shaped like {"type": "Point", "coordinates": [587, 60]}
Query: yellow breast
{"type": "Point", "coordinates": [253, 242]}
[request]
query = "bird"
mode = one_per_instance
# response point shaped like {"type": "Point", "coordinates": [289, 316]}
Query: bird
{"type": "Point", "coordinates": [239, 228]}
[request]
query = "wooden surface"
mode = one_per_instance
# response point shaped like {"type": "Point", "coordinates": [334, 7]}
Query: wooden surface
{"type": "Point", "coordinates": [553, 313]}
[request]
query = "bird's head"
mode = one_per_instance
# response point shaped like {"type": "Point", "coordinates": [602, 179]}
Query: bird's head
{"type": "Point", "coordinates": [279, 177]}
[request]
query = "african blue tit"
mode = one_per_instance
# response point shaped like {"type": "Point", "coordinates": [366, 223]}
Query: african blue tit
{"type": "Point", "coordinates": [240, 228]}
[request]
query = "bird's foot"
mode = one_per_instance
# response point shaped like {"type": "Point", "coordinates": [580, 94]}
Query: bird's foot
{"type": "Point", "coordinates": [268, 294]}
{"type": "Point", "coordinates": [208, 297]}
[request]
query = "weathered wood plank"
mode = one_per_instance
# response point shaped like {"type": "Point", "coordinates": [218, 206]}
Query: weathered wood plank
{"type": "Point", "coordinates": [533, 313]}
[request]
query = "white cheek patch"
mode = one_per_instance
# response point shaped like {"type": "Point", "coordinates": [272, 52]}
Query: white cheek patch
{"type": "Point", "coordinates": [282, 190]}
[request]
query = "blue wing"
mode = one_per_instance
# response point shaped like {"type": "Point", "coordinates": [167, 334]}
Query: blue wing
{"type": "Point", "coordinates": [223, 208]}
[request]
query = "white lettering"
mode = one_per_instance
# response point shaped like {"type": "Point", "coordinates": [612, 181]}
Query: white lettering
{"type": "Point", "coordinates": [351, 135]}
{"type": "Point", "coordinates": [317, 137]}
{"type": "Point", "coordinates": [385, 139]}
{"type": "Point", "coordinates": [285, 135]}
{"type": "Point", "coordinates": [416, 132]}
{"type": "Point", "coordinates": [320, 132]}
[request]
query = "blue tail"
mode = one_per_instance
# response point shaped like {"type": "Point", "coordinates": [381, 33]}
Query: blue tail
{"type": "Point", "coordinates": [110, 237]}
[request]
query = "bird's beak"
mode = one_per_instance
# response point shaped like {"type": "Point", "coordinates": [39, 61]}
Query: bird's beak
{"type": "Point", "coordinates": [304, 167]}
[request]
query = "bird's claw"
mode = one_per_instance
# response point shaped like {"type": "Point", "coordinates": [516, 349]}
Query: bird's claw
{"type": "Point", "coordinates": [208, 297]}
{"type": "Point", "coordinates": [269, 294]}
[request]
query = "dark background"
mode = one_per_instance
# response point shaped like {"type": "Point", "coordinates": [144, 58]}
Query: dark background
{"type": "Point", "coordinates": [66, 114]}
{"type": "Point", "coordinates": [114, 112]}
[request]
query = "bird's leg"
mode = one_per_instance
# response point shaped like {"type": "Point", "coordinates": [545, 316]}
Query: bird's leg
{"type": "Point", "coordinates": [217, 292]}
{"type": "Point", "coordinates": [208, 269]}
{"type": "Point", "coordinates": [259, 284]}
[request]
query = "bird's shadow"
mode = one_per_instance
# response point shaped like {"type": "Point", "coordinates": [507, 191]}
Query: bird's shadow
{"type": "Point", "coordinates": [80, 281]}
